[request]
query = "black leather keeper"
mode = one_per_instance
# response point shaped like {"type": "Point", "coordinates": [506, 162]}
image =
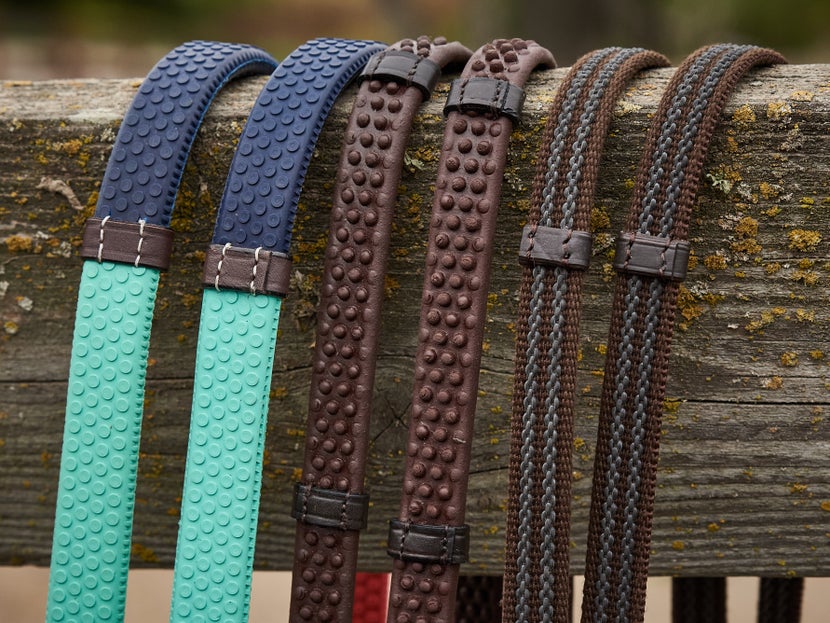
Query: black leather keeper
{"type": "Point", "coordinates": [487, 95]}
{"type": "Point", "coordinates": [329, 508]}
{"type": "Point", "coordinates": [247, 270]}
{"type": "Point", "coordinates": [127, 242]}
{"type": "Point", "coordinates": [652, 256]}
{"type": "Point", "coordinates": [445, 545]}
{"type": "Point", "coordinates": [404, 67]}
{"type": "Point", "coordinates": [552, 246]}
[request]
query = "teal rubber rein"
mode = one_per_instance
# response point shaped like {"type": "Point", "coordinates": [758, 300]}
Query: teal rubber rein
{"type": "Point", "coordinates": [125, 246]}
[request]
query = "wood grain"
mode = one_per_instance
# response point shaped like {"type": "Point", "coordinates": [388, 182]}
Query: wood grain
{"type": "Point", "coordinates": [744, 479]}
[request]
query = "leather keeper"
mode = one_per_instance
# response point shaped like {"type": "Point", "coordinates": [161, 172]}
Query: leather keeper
{"type": "Point", "coordinates": [126, 242]}
{"type": "Point", "coordinates": [553, 246]}
{"type": "Point", "coordinates": [652, 256]}
{"type": "Point", "coordinates": [444, 545]}
{"type": "Point", "coordinates": [488, 95]}
{"type": "Point", "coordinates": [249, 270]}
{"type": "Point", "coordinates": [403, 67]}
{"type": "Point", "coordinates": [329, 508]}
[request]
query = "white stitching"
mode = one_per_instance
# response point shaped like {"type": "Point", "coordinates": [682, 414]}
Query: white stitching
{"type": "Point", "coordinates": [219, 265]}
{"type": "Point", "coordinates": [253, 270]}
{"type": "Point", "coordinates": [141, 224]}
{"type": "Point", "coordinates": [101, 239]}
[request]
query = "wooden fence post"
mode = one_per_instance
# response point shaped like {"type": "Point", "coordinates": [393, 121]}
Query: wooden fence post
{"type": "Point", "coordinates": [744, 484]}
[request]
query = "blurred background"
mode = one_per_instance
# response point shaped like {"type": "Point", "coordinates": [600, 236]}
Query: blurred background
{"type": "Point", "coordinates": [109, 38]}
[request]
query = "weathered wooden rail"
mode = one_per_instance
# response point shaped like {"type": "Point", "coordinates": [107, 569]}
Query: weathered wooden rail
{"type": "Point", "coordinates": [744, 480]}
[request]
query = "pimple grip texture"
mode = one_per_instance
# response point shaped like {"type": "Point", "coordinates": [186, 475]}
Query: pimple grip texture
{"type": "Point", "coordinates": [453, 311]}
{"type": "Point", "coordinates": [348, 321]}
{"type": "Point", "coordinates": [96, 492]}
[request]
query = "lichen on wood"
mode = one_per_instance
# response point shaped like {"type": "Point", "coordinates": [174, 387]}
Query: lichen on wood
{"type": "Point", "coordinates": [749, 383]}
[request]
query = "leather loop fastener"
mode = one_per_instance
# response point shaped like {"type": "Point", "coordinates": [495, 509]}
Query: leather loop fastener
{"type": "Point", "coordinates": [488, 95]}
{"type": "Point", "coordinates": [329, 508]}
{"type": "Point", "coordinates": [250, 270]}
{"type": "Point", "coordinates": [553, 246]}
{"type": "Point", "coordinates": [444, 545]}
{"type": "Point", "coordinates": [404, 67]}
{"type": "Point", "coordinates": [139, 244]}
{"type": "Point", "coordinates": [652, 256]}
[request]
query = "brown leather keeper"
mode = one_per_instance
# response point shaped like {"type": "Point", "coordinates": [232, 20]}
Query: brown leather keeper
{"type": "Point", "coordinates": [444, 545]}
{"type": "Point", "coordinates": [553, 246]}
{"type": "Point", "coordinates": [488, 95]}
{"type": "Point", "coordinates": [247, 270]}
{"type": "Point", "coordinates": [403, 67]}
{"type": "Point", "coordinates": [330, 508]}
{"type": "Point", "coordinates": [126, 242]}
{"type": "Point", "coordinates": [652, 256]}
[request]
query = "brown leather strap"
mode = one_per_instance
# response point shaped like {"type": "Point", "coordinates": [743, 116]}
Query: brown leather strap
{"type": "Point", "coordinates": [451, 327]}
{"type": "Point", "coordinates": [394, 86]}
{"type": "Point", "coordinates": [140, 244]}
